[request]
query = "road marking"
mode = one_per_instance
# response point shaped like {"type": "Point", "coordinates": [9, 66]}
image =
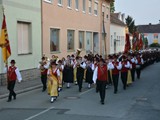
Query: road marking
{"type": "Point", "coordinates": [36, 115]}
{"type": "Point", "coordinates": [86, 91]}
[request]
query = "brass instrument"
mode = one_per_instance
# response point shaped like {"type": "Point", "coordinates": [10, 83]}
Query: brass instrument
{"type": "Point", "coordinates": [78, 51]}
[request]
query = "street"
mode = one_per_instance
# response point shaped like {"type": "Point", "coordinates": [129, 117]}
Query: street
{"type": "Point", "coordinates": [139, 102]}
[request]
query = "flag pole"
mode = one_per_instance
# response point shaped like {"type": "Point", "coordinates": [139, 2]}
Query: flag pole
{"type": "Point", "coordinates": [6, 62]}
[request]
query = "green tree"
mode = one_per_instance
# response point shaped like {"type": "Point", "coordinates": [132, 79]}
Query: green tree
{"type": "Point", "coordinates": [112, 7]}
{"type": "Point", "coordinates": [131, 24]}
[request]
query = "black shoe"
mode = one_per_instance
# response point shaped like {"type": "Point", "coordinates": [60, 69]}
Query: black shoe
{"type": "Point", "coordinates": [14, 97]}
{"type": "Point", "coordinates": [80, 90]}
{"type": "Point", "coordinates": [115, 92]}
{"type": "Point", "coordinates": [102, 102]}
{"type": "Point", "coordinates": [9, 100]}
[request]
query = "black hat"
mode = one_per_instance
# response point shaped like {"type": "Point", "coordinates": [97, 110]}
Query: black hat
{"type": "Point", "coordinates": [13, 61]}
{"type": "Point", "coordinates": [53, 63]}
{"type": "Point", "coordinates": [115, 56]}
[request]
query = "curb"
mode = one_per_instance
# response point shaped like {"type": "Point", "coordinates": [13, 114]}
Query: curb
{"type": "Point", "coordinates": [22, 91]}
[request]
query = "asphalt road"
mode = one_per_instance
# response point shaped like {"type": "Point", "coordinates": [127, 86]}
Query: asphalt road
{"type": "Point", "coordinates": [139, 102]}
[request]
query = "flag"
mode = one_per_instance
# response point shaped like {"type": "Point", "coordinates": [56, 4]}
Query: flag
{"type": "Point", "coordinates": [135, 41]}
{"type": "Point", "coordinates": [127, 45]}
{"type": "Point", "coordinates": [140, 45]}
{"type": "Point", "coordinates": [4, 42]}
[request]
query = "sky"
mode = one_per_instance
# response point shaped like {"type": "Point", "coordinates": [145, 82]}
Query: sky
{"type": "Point", "coordinates": [142, 11]}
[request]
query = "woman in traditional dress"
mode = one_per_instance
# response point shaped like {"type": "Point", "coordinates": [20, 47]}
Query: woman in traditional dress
{"type": "Point", "coordinates": [60, 66]}
{"type": "Point", "coordinates": [53, 81]}
{"type": "Point", "coordinates": [89, 72]}
{"type": "Point", "coordinates": [68, 72]}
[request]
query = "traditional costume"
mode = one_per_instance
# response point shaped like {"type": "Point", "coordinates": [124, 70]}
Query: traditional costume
{"type": "Point", "coordinates": [13, 75]}
{"type": "Point", "coordinates": [100, 76]}
{"type": "Point", "coordinates": [53, 81]}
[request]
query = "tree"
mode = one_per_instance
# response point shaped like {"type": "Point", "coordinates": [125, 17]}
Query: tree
{"type": "Point", "coordinates": [131, 25]}
{"type": "Point", "coordinates": [112, 7]}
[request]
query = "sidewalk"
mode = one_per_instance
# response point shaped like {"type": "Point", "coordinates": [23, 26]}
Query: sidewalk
{"type": "Point", "coordinates": [24, 86]}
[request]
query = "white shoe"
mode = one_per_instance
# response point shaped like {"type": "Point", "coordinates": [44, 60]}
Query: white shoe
{"type": "Point", "coordinates": [52, 99]}
{"type": "Point", "coordinates": [68, 85]}
{"type": "Point", "coordinates": [59, 89]}
{"type": "Point", "coordinates": [89, 86]}
{"type": "Point", "coordinates": [106, 86]}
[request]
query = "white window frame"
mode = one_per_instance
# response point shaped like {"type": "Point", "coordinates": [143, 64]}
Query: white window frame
{"type": "Point", "coordinates": [56, 41]}
{"type": "Point", "coordinates": [84, 6]}
{"type": "Point", "coordinates": [95, 3]}
{"type": "Point", "coordinates": [77, 5]}
{"type": "Point", "coordinates": [21, 39]}
{"type": "Point", "coordinates": [60, 3]}
{"type": "Point", "coordinates": [48, 1]}
{"type": "Point", "coordinates": [90, 6]}
{"type": "Point", "coordinates": [69, 4]}
{"type": "Point", "coordinates": [73, 40]}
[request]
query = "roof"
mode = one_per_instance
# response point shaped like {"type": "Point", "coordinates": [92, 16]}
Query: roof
{"type": "Point", "coordinates": [149, 28]}
{"type": "Point", "coordinates": [116, 20]}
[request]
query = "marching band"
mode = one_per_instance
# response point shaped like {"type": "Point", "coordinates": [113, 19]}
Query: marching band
{"type": "Point", "coordinates": [94, 69]}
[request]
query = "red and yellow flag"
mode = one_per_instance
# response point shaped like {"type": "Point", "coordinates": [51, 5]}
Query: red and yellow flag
{"type": "Point", "coordinates": [4, 42]}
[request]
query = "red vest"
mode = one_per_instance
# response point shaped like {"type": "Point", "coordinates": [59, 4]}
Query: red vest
{"type": "Point", "coordinates": [124, 69]}
{"type": "Point", "coordinates": [115, 71]}
{"type": "Point", "coordinates": [102, 73]}
{"type": "Point", "coordinates": [133, 64]}
{"type": "Point", "coordinates": [44, 72]}
{"type": "Point", "coordinates": [12, 74]}
{"type": "Point", "coordinates": [139, 61]}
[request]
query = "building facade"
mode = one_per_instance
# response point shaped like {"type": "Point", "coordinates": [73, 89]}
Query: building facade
{"type": "Point", "coordinates": [23, 19]}
{"type": "Point", "coordinates": [71, 24]}
{"type": "Point", "coordinates": [117, 33]}
{"type": "Point", "coordinates": [151, 32]}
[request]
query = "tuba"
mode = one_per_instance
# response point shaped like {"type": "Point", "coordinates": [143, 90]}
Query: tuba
{"type": "Point", "coordinates": [78, 52]}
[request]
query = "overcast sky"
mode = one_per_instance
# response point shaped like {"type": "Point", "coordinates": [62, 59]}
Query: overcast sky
{"type": "Point", "coordinates": [143, 11]}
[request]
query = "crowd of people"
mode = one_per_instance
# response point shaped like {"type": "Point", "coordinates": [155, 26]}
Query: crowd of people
{"type": "Point", "coordinates": [57, 73]}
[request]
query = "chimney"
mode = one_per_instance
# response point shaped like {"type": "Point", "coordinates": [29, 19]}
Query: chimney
{"type": "Point", "coordinates": [150, 23]}
{"type": "Point", "coordinates": [123, 17]}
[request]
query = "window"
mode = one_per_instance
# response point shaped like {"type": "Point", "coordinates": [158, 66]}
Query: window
{"type": "Point", "coordinates": [81, 39]}
{"type": "Point", "coordinates": [70, 39]}
{"type": "Point", "coordinates": [90, 6]}
{"type": "Point", "coordinates": [49, 1]}
{"type": "Point", "coordinates": [88, 42]}
{"type": "Point", "coordinates": [155, 36]}
{"type": "Point", "coordinates": [84, 6]}
{"type": "Point", "coordinates": [111, 40]}
{"type": "Point", "coordinates": [96, 8]}
{"type": "Point", "coordinates": [60, 2]}
{"type": "Point", "coordinates": [24, 37]}
{"type": "Point", "coordinates": [103, 8]}
{"type": "Point", "coordinates": [54, 39]}
{"type": "Point", "coordinates": [77, 4]}
{"type": "Point", "coordinates": [69, 3]}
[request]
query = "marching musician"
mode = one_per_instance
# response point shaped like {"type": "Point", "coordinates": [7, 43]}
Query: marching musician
{"type": "Point", "coordinates": [53, 75]}
{"type": "Point", "coordinates": [60, 66]}
{"type": "Point", "coordinates": [139, 63]}
{"type": "Point", "coordinates": [68, 71]}
{"type": "Point", "coordinates": [124, 71]}
{"type": "Point", "coordinates": [43, 66]}
{"type": "Point", "coordinates": [115, 66]}
{"type": "Point", "coordinates": [81, 65]}
{"type": "Point", "coordinates": [89, 71]}
{"type": "Point", "coordinates": [13, 75]}
{"type": "Point", "coordinates": [100, 76]}
{"type": "Point", "coordinates": [133, 62]}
